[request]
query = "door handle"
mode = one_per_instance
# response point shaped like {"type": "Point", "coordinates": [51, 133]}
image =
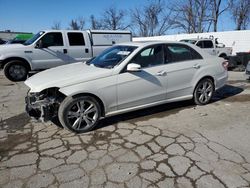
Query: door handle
{"type": "Point", "coordinates": [196, 66]}
{"type": "Point", "coordinates": [65, 51]}
{"type": "Point", "coordinates": [86, 50]}
{"type": "Point", "coordinates": [161, 73]}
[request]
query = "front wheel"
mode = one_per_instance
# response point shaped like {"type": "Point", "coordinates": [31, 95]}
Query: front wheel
{"type": "Point", "coordinates": [79, 114]}
{"type": "Point", "coordinates": [16, 70]}
{"type": "Point", "coordinates": [204, 91]}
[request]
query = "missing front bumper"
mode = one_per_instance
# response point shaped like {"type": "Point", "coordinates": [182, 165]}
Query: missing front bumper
{"type": "Point", "coordinates": [43, 110]}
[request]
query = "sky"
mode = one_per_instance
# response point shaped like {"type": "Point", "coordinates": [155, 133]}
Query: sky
{"type": "Point", "coordinates": [36, 15]}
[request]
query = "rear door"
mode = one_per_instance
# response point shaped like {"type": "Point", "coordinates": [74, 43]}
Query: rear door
{"type": "Point", "coordinates": [182, 63]}
{"type": "Point", "coordinates": [78, 46]}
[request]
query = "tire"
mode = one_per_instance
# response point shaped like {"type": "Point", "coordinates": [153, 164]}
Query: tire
{"type": "Point", "coordinates": [56, 122]}
{"type": "Point", "coordinates": [204, 91]}
{"type": "Point", "coordinates": [79, 114]}
{"type": "Point", "coordinates": [16, 70]}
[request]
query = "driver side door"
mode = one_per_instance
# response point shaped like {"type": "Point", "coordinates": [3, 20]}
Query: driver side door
{"type": "Point", "coordinates": [51, 52]}
{"type": "Point", "coordinates": [145, 86]}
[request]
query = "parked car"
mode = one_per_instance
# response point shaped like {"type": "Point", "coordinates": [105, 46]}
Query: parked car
{"type": "Point", "coordinates": [2, 41]}
{"type": "Point", "coordinates": [248, 71]}
{"type": "Point", "coordinates": [124, 78]}
{"type": "Point", "coordinates": [20, 39]}
{"type": "Point", "coordinates": [211, 46]}
{"type": "Point", "coordinates": [52, 48]}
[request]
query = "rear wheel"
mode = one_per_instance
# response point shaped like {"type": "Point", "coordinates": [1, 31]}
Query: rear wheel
{"type": "Point", "coordinates": [16, 70]}
{"type": "Point", "coordinates": [79, 114]}
{"type": "Point", "coordinates": [204, 91]}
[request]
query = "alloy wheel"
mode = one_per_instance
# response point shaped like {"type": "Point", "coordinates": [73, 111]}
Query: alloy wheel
{"type": "Point", "coordinates": [82, 114]}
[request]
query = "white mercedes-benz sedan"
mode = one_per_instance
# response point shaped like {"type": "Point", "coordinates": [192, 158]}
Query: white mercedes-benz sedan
{"type": "Point", "coordinates": [125, 77]}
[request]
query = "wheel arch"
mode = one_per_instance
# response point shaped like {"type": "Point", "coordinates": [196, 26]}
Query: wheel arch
{"type": "Point", "coordinates": [223, 55]}
{"type": "Point", "coordinates": [25, 61]}
{"type": "Point", "coordinates": [204, 77]}
{"type": "Point", "coordinates": [95, 97]}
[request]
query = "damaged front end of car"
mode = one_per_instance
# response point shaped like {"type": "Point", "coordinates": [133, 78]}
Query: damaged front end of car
{"type": "Point", "coordinates": [44, 105]}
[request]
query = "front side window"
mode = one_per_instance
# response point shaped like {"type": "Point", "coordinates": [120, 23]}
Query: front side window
{"type": "Point", "coordinates": [200, 44]}
{"type": "Point", "coordinates": [150, 56]}
{"type": "Point", "coordinates": [112, 56]}
{"type": "Point", "coordinates": [52, 39]}
{"type": "Point", "coordinates": [76, 39]}
{"type": "Point", "coordinates": [177, 53]}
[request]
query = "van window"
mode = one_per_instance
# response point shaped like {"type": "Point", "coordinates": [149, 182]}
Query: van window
{"type": "Point", "coordinates": [52, 39]}
{"type": "Point", "coordinates": [76, 39]}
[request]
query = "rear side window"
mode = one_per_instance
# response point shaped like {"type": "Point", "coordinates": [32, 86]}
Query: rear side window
{"type": "Point", "coordinates": [76, 39]}
{"type": "Point", "coordinates": [177, 53]}
{"type": "Point", "coordinates": [52, 39]}
{"type": "Point", "coordinates": [208, 44]}
{"type": "Point", "coordinates": [205, 44]}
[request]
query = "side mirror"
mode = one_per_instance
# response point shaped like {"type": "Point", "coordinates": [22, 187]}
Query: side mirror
{"type": "Point", "coordinates": [39, 44]}
{"type": "Point", "coordinates": [133, 67]}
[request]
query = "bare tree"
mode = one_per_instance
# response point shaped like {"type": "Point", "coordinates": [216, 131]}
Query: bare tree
{"type": "Point", "coordinates": [113, 19]}
{"type": "Point", "coordinates": [241, 13]}
{"type": "Point", "coordinates": [192, 16]}
{"type": "Point", "coordinates": [152, 19]}
{"type": "Point", "coordinates": [56, 25]}
{"type": "Point", "coordinates": [77, 24]}
{"type": "Point", "coordinates": [95, 24]}
{"type": "Point", "coordinates": [217, 10]}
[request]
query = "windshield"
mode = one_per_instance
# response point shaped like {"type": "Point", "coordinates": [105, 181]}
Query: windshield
{"type": "Point", "coordinates": [34, 38]}
{"type": "Point", "coordinates": [112, 56]}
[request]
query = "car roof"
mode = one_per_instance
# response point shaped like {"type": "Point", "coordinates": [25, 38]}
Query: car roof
{"type": "Point", "coordinates": [196, 39]}
{"type": "Point", "coordinates": [142, 44]}
{"type": "Point", "coordinates": [148, 43]}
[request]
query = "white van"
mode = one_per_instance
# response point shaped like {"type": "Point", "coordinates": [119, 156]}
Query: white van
{"type": "Point", "coordinates": [52, 48]}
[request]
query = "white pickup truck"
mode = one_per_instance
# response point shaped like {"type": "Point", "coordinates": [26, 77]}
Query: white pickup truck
{"type": "Point", "coordinates": [52, 48]}
{"type": "Point", "coordinates": [211, 46]}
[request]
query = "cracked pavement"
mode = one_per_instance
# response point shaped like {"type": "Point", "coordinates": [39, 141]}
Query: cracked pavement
{"type": "Point", "coordinates": [172, 145]}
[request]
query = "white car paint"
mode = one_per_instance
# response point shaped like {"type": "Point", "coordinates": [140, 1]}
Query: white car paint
{"type": "Point", "coordinates": [95, 41]}
{"type": "Point", "coordinates": [126, 91]}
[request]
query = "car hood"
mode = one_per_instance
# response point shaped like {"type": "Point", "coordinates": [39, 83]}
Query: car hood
{"type": "Point", "coordinates": [11, 46]}
{"type": "Point", "coordinates": [65, 75]}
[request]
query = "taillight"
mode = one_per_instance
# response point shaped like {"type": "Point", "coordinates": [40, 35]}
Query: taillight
{"type": "Point", "coordinates": [225, 65]}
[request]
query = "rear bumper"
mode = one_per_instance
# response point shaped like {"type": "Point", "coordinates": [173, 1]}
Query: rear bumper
{"type": "Point", "coordinates": [221, 80]}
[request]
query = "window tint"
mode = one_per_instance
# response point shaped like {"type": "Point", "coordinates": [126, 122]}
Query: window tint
{"type": "Point", "coordinates": [195, 55]}
{"type": "Point", "coordinates": [76, 39]}
{"type": "Point", "coordinates": [205, 44]}
{"type": "Point", "coordinates": [208, 44]}
{"type": "Point", "coordinates": [200, 44]}
{"type": "Point", "coordinates": [52, 39]}
{"type": "Point", "coordinates": [177, 52]}
{"type": "Point", "coordinates": [150, 56]}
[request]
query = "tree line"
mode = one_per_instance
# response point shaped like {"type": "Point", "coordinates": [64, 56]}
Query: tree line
{"type": "Point", "coordinates": [157, 17]}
